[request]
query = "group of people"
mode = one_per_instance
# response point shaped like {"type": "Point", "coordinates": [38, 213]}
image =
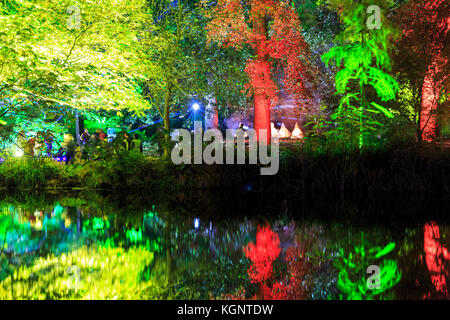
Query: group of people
{"type": "Point", "coordinates": [39, 144]}
{"type": "Point", "coordinates": [94, 146]}
{"type": "Point", "coordinates": [91, 146]}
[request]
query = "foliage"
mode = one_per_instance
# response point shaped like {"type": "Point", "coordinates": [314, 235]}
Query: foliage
{"type": "Point", "coordinates": [82, 65]}
{"type": "Point", "coordinates": [422, 56]}
{"type": "Point", "coordinates": [284, 44]}
{"type": "Point", "coordinates": [361, 55]}
{"type": "Point", "coordinates": [263, 256]}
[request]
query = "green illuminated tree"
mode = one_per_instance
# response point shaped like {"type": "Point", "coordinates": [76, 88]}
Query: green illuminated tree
{"type": "Point", "coordinates": [73, 55]}
{"type": "Point", "coordinates": [362, 58]}
{"type": "Point", "coordinates": [60, 56]}
{"type": "Point", "coordinates": [166, 57]}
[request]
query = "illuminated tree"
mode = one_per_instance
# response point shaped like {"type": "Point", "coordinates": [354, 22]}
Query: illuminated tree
{"type": "Point", "coordinates": [168, 31]}
{"type": "Point", "coordinates": [362, 55]}
{"type": "Point", "coordinates": [58, 57]}
{"type": "Point", "coordinates": [423, 58]}
{"type": "Point", "coordinates": [273, 31]}
{"type": "Point", "coordinates": [71, 55]}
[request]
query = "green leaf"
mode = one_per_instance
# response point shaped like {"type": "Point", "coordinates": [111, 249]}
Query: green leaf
{"type": "Point", "coordinates": [385, 250]}
{"type": "Point", "coordinates": [385, 111]}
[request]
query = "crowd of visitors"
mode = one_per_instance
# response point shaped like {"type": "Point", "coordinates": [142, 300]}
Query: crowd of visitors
{"type": "Point", "coordinates": [90, 146]}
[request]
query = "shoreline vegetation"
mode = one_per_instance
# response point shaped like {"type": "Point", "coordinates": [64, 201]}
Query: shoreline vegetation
{"type": "Point", "coordinates": [422, 169]}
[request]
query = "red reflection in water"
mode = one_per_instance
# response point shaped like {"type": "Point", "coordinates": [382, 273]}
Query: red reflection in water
{"type": "Point", "coordinates": [262, 254]}
{"type": "Point", "coordinates": [291, 287]}
{"type": "Point", "coordinates": [435, 256]}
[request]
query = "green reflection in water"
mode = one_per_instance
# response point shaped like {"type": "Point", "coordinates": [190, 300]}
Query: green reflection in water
{"type": "Point", "coordinates": [353, 281]}
{"type": "Point", "coordinates": [88, 252]}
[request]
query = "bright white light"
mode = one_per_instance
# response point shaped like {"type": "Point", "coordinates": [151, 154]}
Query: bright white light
{"type": "Point", "coordinates": [196, 223]}
{"type": "Point", "coordinates": [18, 153]}
{"type": "Point", "coordinates": [195, 106]}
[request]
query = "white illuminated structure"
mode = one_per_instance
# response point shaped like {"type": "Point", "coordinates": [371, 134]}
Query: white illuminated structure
{"type": "Point", "coordinates": [284, 132]}
{"type": "Point", "coordinates": [297, 133]}
{"type": "Point", "coordinates": [273, 130]}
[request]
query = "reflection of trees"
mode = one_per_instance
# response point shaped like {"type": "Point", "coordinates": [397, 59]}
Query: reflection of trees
{"type": "Point", "coordinates": [282, 270]}
{"type": "Point", "coordinates": [201, 261]}
{"type": "Point", "coordinates": [352, 278]}
{"type": "Point", "coordinates": [85, 273]}
{"type": "Point", "coordinates": [437, 258]}
{"type": "Point", "coordinates": [352, 252]}
{"type": "Point", "coordinates": [206, 260]}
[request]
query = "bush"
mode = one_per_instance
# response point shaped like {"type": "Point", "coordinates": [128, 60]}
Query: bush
{"type": "Point", "coordinates": [307, 168]}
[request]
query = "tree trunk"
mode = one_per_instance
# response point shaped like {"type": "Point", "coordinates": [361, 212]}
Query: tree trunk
{"type": "Point", "coordinates": [430, 98]}
{"type": "Point", "coordinates": [167, 121]}
{"type": "Point", "coordinates": [211, 114]}
{"type": "Point", "coordinates": [262, 102]}
{"type": "Point", "coordinates": [79, 127]}
{"type": "Point", "coordinates": [169, 251]}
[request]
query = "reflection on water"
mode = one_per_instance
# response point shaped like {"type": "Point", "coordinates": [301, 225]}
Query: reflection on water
{"type": "Point", "coordinates": [81, 252]}
{"type": "Point", "coordinates": [436, 257]}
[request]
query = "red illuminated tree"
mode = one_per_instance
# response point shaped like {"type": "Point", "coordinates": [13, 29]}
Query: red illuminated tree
{"type": "Point", "coordinates": [273, 31]}
{"type": "Point", "coordinates": [425, 25]}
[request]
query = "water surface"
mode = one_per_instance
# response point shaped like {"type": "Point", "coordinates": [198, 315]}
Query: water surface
{"type": "Point", "coordinates": [97, 252]}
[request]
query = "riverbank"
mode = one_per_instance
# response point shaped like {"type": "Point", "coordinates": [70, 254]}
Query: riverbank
{"type": "Point", "coordinates": [406, 169]}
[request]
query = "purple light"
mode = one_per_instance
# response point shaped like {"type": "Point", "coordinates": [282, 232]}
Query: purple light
{"type": "Point", "coordinates": [60, 159]}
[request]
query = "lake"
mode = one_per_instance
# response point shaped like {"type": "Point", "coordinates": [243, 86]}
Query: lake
{"type": "Point", "coordinates": [242, 246]}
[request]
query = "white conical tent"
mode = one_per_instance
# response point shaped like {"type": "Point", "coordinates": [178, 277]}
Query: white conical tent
{"type": "Point", "coordinates": [297, 133]}
{"type": "Point", "coordinates": [273, 130]}
{"type": "Point", "coordinates": [284, 132]}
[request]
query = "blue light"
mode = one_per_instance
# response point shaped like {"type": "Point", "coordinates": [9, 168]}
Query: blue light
{"type": "Point", "coordinates": [196, 223]}
{"type": "Point", "coordinates": [195, 106]}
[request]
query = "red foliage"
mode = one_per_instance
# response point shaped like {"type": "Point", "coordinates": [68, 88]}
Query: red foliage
{"type": "Point", "coordinates": [284, 43]}
{"type": "Point", "coordinates": [292, 288]}
{"type": "Point", "coordinates": [425, 25]}
{"type": "Point", "coordinates": [263, 254]}
{"type": "Point", "coordinates": [279, 291]}
{"type": "Point", "coordinates": [435, 257]}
